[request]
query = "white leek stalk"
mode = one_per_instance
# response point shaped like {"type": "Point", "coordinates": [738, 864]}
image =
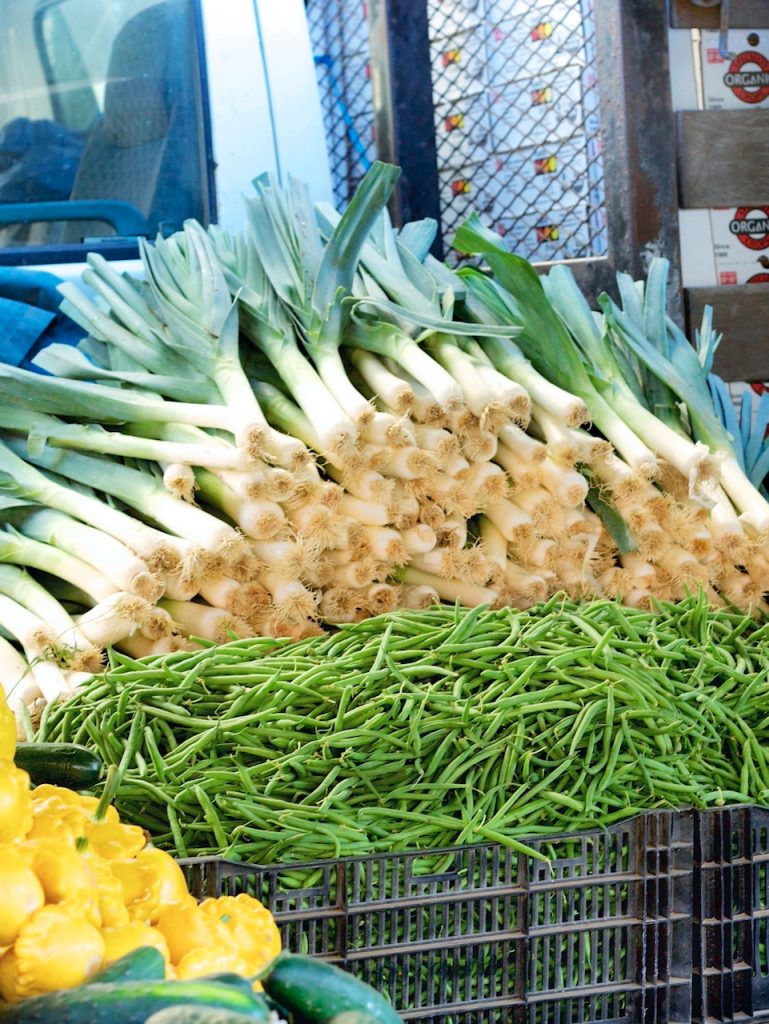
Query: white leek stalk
{"type": "Point", "coordinates": [419, 539]}
{"type": "Point", "coordinates": [142, 492]}
{"type": "Point", "coordinates": [201, 620]}
{"type": "Point", "coordinates": [19, 478]}
{"type": "Point", "coordinates": [21, 550]}
{"type": "Point", "coordinates": [420, 596]}
{"type": "Point", "coordinates": [394, 391]}
{"type": "Point", "coordinates": [112, 619]}
{"type": "Point", "coordinates": [449, 590]}
{"type": "Point", "coordinates": [79, 654]}
{"type": "Point", "coordinates": [262, 520]}
{"type": "Point", "coordinates": [367, 512]}
{"type": "Point", "coordinates": [92, 438]}
{"type": "Point", "coordinates": [16, 678]}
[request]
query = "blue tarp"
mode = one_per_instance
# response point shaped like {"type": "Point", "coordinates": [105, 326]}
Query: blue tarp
{"type": "Point", "coordinates": [29, 317]}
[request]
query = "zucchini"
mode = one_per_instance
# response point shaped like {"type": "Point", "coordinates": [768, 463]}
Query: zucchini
{"type": "Point", "coordinates": [59, 764]}
{"type": "Point", "coordinates": [352, 1017]}
{"type": "Point", "coordinates": [234, 980]}
{"type": "Point", "coordinates": [188, 1014]}
{"type": "Point", "coordinates": [316, 992]}
{"type": "Point", "coordinates": [143, 964]}
{"type": "Point", "coordinates": [132, 1002]}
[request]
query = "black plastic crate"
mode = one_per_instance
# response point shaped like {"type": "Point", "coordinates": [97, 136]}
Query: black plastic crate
{"type": "Point", "coordinates": [483, 935]}
{"type": "Point", "coordinates": [731, 915]}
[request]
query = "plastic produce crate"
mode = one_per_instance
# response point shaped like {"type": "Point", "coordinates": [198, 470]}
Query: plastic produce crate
{"type": "Point", "coordinates": [731, 915]}
{"type": "Point", "coordinates": [483, 935]}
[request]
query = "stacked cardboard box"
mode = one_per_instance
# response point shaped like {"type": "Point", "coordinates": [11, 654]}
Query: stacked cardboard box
{"type": "Point", "coordinates": [731, 245]}
{"type": "Point", "coordinates": [516, 114]}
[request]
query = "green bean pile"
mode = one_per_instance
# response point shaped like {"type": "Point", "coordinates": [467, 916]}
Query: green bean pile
{"type": "Point", "coordinates": [420, 730]}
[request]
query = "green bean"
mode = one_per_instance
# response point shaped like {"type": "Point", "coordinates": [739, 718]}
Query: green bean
{"type": "Point", "coordinates": [420, 728]}
{"type": "Point", "coordinates": [584, 719]}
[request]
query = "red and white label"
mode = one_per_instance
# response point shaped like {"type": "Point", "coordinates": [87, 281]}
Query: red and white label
{"type": "Point", "coordinates": [740, 81]}
{"type": "Point", "coordinates": [750, 226]}
{"type": "Point", "coordinates": [748, 77]}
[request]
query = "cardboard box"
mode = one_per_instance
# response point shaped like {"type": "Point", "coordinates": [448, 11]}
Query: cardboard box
{"type": "Point", "coordinates": [545, 109]}
{"type": "Point", "coordinates": [724, 247]}
{"type": "Point", "coordinates": [468, 189]}
{"type": "Point", "coordinates": [447, 17]}
{"type": "Point", "coordinates": [741, 82]}
{"type": "Point", "coordinates": [743, 275]}
{"type": "Point", "coordinates": [459, 65]}
{"type": "Point", "coordinates": [738, 387]}
{"type": "Point", "coordinates": [698, 265]}
{"type": "Point", "coordinates": [463, 131]}
{"type": "Point", "coordinates": [540, 40]}
{"type": "Point", "coordinates": [549, 234]}
{"type": "Point", "coordinates": [551, 175]}
{"type": "Point", "coordinates": [513, 184]}
{"type": "Point", "coordinates": [740, 240]}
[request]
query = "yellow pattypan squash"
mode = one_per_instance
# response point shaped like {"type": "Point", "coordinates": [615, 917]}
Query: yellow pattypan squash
{"type": "Point", "coordinates": [15, 803]}
{"type": "Point", "coordinates": [251, 926]}
{"type": "Point", "coordinates": [47, 798]}
{"type": "Point", "coordinates": [7, 729]}
{"type": "Point", "coordinates": [89, 805]}
{"type": "Point", "coordinates": [172, 885]}
{"type": "Point", "coordinates": [187, 928]}
{"type": "Point", "coordinates": [141, 888]}
{"type": "Point", "coordinates": [122, 940]}
{"type": "Point", "coordinates": [209, 960]}
{"type": "Point", "coordinates": [56, 948]}
{"type": "Point", "coordinates": [22, 894]}
{"type": "Point", "coordinates": [65, 875]}
{"type": "Point", "coordinates": [111, 839]}
{"type": "Point", "coordinates": [110, 895]}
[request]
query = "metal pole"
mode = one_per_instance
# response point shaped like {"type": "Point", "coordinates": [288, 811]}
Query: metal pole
{"type": "Point", "coordinates": [639, 149]}
{"type": "Point", "coordinates": [403, 105]}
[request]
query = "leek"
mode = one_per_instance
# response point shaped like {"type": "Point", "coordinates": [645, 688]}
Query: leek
{"type": "Point", "coordinates": [19, 479]}
{"type": "Point", "coordinates": [139, 491]}
{"type": "Point", "coordinates": [17, 549]}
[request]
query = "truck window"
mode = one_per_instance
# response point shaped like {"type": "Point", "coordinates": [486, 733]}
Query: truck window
{"type": "Point", "coordinates": [103, 134]}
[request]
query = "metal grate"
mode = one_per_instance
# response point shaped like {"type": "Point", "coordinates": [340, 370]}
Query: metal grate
{"type": "Point", "coordinates": [339, 36]}
{"type": "Point", "coordinates": [516, 120]}
{"type": "Point", "coordinates": [601, 932]}
{"type": "Point", "coordinates": [516, 116]}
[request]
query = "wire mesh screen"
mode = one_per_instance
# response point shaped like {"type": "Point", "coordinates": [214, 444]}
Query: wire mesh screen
{"type": "Point", "coordinates": [515, 95]}
{"type": "Point", "coordinates": [517, 126]}
{"type": "Point", "coordinates": [339, 36]}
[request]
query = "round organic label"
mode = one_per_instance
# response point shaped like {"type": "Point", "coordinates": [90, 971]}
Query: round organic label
{"type": "Point", "coordinates": [748, 77]}
{"type": "Point", "coordinates": [751, 226]}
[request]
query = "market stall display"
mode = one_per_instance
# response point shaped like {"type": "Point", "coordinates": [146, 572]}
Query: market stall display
{"type": "Point", "coordinates": [329, 551]}
{"type": "Point", "coordinates": [316, 422]}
